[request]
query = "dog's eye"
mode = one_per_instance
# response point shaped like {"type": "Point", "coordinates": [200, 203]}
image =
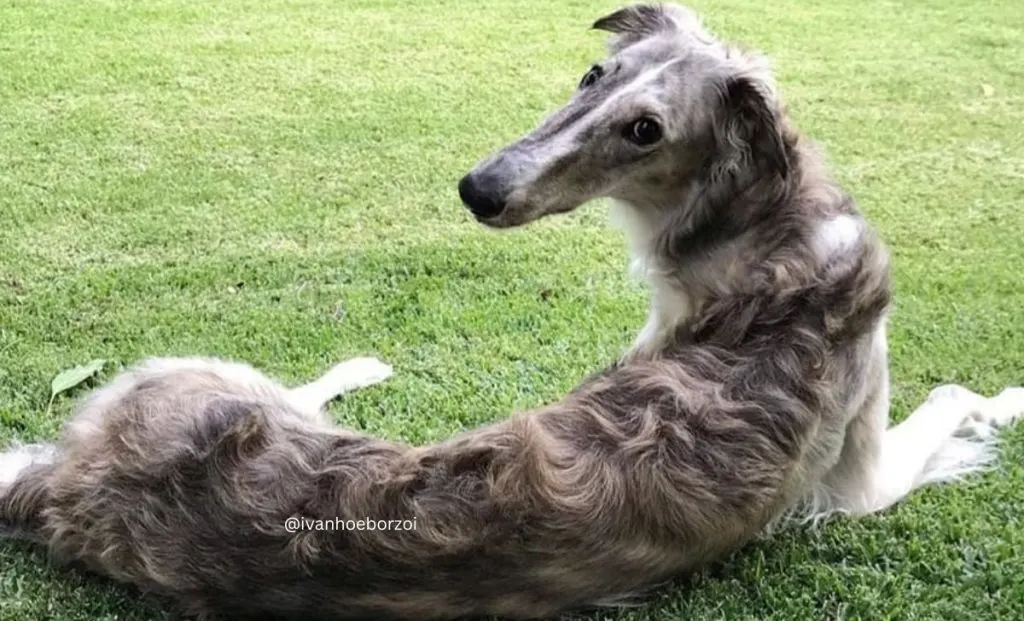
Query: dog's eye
{"type": "Point", "coordinates": [644, 131]}
{"type": "Point", "coordinates": [591, 76]}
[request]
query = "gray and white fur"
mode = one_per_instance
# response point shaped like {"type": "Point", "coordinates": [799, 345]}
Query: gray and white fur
{"type": "Point", "coordinates": [758, 389]}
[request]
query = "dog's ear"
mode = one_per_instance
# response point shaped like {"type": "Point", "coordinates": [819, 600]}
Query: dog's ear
{"type": "Point", "coordinates": [639, 21]}
{"type": "Point", "coordinates": [751, 121]}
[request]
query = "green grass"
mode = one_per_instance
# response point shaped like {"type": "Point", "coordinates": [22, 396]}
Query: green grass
{"type": "Point", "coordinates": [274, 181]}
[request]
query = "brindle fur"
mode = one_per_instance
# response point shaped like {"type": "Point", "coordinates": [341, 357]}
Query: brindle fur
{"type": "Point", "coordinates": [759, 384]}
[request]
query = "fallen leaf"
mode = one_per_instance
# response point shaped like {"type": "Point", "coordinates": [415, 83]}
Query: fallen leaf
{"type": "Point", "coordinates": [69, 378]}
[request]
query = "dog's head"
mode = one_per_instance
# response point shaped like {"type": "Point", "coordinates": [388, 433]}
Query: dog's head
{"type": "Point", "coordinates": [671, 106]}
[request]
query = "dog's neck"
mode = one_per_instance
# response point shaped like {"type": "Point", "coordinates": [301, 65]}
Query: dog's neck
{"type": "Point", "coordinates": [671, 303]}
{"type": "Point", "coordinates": [685, 265]}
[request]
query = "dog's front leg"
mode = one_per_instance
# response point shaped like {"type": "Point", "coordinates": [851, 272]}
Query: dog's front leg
{"type": "Point", "coordinates": [951, 435]}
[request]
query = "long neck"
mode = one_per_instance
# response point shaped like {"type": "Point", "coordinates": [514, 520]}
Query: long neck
{"type": "Point", "coordinates": [738, 238]}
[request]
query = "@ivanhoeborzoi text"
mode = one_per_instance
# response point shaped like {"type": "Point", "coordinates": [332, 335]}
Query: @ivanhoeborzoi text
{"type": "Point", "coordinates": [296, 524]}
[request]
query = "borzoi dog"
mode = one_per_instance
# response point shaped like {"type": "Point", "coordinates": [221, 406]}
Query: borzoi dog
{"type": "Point", "coordinates": [758, 389]}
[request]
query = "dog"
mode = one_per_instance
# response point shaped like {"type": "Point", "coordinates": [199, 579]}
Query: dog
{"type": "Point", "coordinates": [757, 391]}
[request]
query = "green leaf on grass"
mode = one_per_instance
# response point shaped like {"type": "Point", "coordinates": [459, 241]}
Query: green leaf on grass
{"type": "Point", "coordinates": [69, 378]}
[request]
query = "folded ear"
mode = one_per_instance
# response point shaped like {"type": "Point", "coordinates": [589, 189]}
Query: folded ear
{"type": "Point", "coordinates": [640, 21]}
{"type": "Point", "coordinates": [751, 120]}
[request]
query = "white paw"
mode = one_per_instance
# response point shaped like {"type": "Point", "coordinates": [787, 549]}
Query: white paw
{"type": "Point", "coordinates": [1006, 407]}
{"type": "Point", "coordinates": [975, 427]}
{"type": "Point", "coordinates": [360, 372]}
{"type": "Point", "coordinates": [999, 411]}
{"type": "Point", "coordinates": [978, 421]}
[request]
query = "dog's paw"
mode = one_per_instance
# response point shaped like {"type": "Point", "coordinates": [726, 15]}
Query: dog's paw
{"type": "Point", "coordinates": [987, 415]}
{"type": "Point", "coordinates": [981, 415]}
{"type": "Point", "coordinates": [975, 427]}
{"type": "Point", "coordinates": [1007, 407]}
{"type": "Point", "coordinates": [361, 372]}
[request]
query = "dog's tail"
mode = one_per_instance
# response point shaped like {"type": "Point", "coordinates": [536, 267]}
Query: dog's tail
{"type": "Point", "coordinates": [24, 489]}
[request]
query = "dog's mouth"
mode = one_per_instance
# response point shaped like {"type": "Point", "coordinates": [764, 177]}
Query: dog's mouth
{"type": "Point", "coordinates": [517, 215]}
{"type": "Point", "coordinates": [492, 222]}
{"type": "Point", "coordinates": [490, 208]}
{"type": "Point", "coordinates": [504, 220]}
{"type": "Point", "coordinates": [496, 202]}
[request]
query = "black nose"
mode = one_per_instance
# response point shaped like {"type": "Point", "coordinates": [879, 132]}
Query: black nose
{"type": "Point", "coordinates": [482, 200]}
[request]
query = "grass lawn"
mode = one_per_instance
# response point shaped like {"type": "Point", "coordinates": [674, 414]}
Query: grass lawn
{"type": "Point", "coordinates": [274, 181]}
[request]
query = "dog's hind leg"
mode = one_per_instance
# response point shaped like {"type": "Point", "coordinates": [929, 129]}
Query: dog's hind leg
{"type": "Point", "coordinates": [16, 459]}
{"type": "Point", "coordinates": [24, 470]}
{"type": "Point", "coordinates": [344, 377]}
